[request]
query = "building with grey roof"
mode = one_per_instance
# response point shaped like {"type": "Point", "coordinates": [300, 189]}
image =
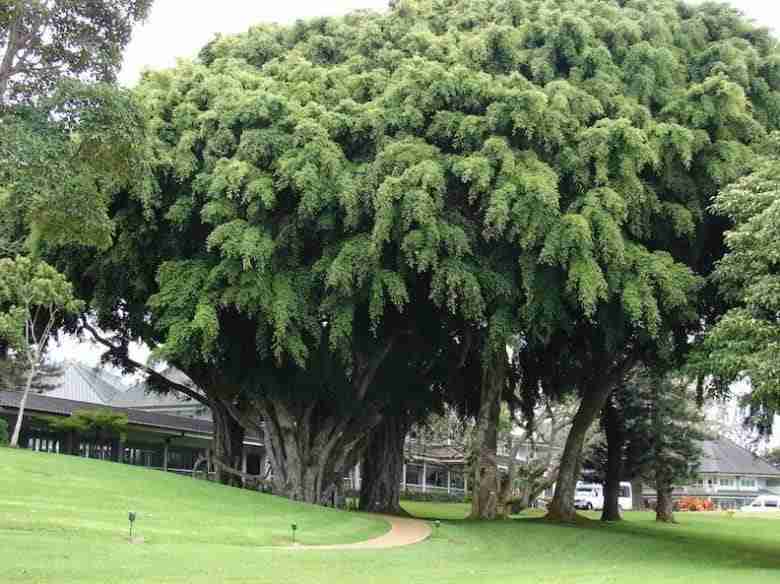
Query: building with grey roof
{"type": "Point", "coordinates": [163, 432]}
{"type": "Point", "coordinates": [728, 475]}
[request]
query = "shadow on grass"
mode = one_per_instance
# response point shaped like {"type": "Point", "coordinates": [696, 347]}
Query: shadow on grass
{"type": "Point", "coordinates": [637, 541]}
{"type": "Point", "coordinates": [686, 541]}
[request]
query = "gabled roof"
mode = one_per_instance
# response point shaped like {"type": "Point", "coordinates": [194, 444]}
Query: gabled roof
{"type": "Point", "coordinates": [725, 457]}
{"type": "Point", "coordinates": [139, 396]}
{"type": "Point", "coordinates": [86, 384]}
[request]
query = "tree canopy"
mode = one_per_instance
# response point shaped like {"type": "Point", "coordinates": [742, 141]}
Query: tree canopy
{"type": "Point", "coordinates": [42, 42]}
{"type": "Point", "coordinates": [451, 172]}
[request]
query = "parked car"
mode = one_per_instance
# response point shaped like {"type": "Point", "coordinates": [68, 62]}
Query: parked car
{"type": "Point", "coordinates": [763, 503]}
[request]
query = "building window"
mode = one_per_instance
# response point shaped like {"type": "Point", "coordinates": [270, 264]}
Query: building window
{"type": "Point", "coordinates": [748, 483]}
{"type": "Point", "coordinates": [726, 482]}
{"type": "Point", "coordinates": [698, 483]}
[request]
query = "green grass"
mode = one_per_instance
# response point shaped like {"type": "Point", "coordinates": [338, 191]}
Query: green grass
{"type": "Point", "coordinates": [64, 520]}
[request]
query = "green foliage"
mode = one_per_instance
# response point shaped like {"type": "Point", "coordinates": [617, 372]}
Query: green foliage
{"type": "Point", "coordinates": [43, 42]}
{"type": "Point", "coordinates": [64, 157]}
{"type": "Point", "coordinates": [33, 296]}
{"type": "Point", "coordinates": [99, 423]}
{"type": "Point", "coordinates": [519, 169]}
{"type": "Point", "coordinates": [3, 432]}
{"type": "Point", "coordinates": [664, 426]}
{"type": "Point", "coordinates": [744, 343]}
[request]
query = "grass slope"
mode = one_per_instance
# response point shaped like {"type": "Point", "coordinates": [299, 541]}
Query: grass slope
{"type": "Point", "coordinates": [49, 495]}
{"type": "Point", "coordinates": [63, 520]}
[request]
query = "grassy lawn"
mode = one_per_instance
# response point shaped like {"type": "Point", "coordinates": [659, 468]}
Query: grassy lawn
{"type": "Point", "coordinates": [63, 519]}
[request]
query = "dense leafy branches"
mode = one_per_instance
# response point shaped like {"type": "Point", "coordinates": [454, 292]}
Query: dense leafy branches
{"type": "Point", "coordinates": [44, 41]}
{"type": "Point", "coordinates": [334, 192]}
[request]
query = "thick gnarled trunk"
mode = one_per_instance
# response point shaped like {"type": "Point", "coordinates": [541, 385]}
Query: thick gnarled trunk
{"type": "Point", "coordinates": [382, 467]}
{"type": "Point", "coordinates": [612, 427]}
{"type": "Point", "coordinates": [485, 496]}
{"type": "Point", "coordinates": [310, 451]}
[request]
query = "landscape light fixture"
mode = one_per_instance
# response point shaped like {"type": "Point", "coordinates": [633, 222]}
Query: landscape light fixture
{"type": "Point", "coordinates": [437, 524]}
{"type": "Point", "coordinates": [131, 519]}
{"type": "Point", "coordinates": [294, 527]}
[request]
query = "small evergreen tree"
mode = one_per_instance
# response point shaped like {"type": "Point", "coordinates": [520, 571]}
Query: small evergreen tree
{"type": "Point", "coordinates": [668, 429]}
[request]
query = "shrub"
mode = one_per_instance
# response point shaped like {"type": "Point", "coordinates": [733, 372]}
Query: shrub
{"type": "Point", "coordinates": [3, 432]}
{"type": "Point", "coordinates": [694, 504]}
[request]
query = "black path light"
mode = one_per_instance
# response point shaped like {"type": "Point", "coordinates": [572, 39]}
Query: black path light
{"type": "Point", "coordinates": [294, 528]}
{"type": "Point", "coordinates": [131, 519]}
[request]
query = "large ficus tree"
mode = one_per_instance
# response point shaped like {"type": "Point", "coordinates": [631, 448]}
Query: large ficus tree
{"type": "Point", "coordinates": [493, 170]}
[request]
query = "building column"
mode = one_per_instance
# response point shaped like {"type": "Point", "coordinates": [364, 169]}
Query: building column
{"type": "Point", "coordinates": [403, 477]}
{"type": "Point", "coordinates": [243, 465]}
{"type": "Point", "coordinates": [165, 454]}
{"type": "Point", "coordinates": [424, 478]}
{"type": "Point", "coordinates": [449, 482]}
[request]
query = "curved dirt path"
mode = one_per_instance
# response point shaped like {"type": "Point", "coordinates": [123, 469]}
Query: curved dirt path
{"type": "Point", "coordinates": [403, 531]}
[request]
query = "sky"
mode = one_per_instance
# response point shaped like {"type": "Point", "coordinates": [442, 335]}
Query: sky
{"type": "Point", "coordinates": [180, 28]}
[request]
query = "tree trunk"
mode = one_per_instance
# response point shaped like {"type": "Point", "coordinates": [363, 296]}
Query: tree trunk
{"type": "Point", "coordinates": [311, 450]}
{"type": "Point", "coordinates": [562, 506]}
{"type": "Point", "coordinates": [637, 501]}
{"type": "Point", "coordinates": [228, 442]}
{"type": "Point", "coordinates": [664, 508]}
{"type": "Point", "coordinates": [484, 501]}
{"type": "Point", "coordinates": [382, 467]}
{"type": "Point", "coordinates": [22, 404]}
{"type": "Point", "coordinates": [612, 427]}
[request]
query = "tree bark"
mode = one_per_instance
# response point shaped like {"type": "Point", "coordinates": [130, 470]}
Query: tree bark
{"type": "Point", "coordinates": [637, 500]}
{"type": "Point", "coordinates": [228, 442]}
{"type": "Point", "coordinates": [612, 427]}
{"type": "Point", "coordinates": [382, 467]}
{"type": "Point", "coordinates": [562, 506]}
{"type": "Point", "coordinates": [664, 508]}
{"type": "Point", "coordinates": [311, 449]}
{"type": "Point", "coordinates": [595, 396]}
{"type": "Point", "coordinates": [22, 404]}
{"type": "Point", "coordinates": [484, 501]}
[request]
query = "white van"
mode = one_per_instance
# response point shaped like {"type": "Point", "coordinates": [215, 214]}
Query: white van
{"type": "Point", "coordinates": [763, 503]}
{"type": "Point", "coordinates": [591, 496]}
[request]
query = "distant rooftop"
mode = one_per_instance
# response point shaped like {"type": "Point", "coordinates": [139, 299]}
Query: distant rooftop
{"type": "Point", "coordinates": [87, 384]}
{"type": "Point", "coordinates": [140, 396]}
{"type": "Point", "coordinates": [725, 457]}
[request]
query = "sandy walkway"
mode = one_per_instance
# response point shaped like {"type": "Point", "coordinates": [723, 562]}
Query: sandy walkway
{"type": "Point", "coordinates": [403, 531]}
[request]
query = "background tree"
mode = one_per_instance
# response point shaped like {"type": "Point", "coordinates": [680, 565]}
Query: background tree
{"type": "Point", "coordinates": [34, 297]}
{"type": "Point", "coordinates": [540, 441]}
{"type": "Point", "coordinates": [100, 426]}
{"type": "Point", "coordinates": [669, 430]}
{"type": "Point", "coordinates": [773, 457]}
{"type": "Point", "coordinates": [743, 344]}
{"type": "Point", "coordinates": [43, 42]}
{"type": "Point", "coordinates": [3, 433]}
